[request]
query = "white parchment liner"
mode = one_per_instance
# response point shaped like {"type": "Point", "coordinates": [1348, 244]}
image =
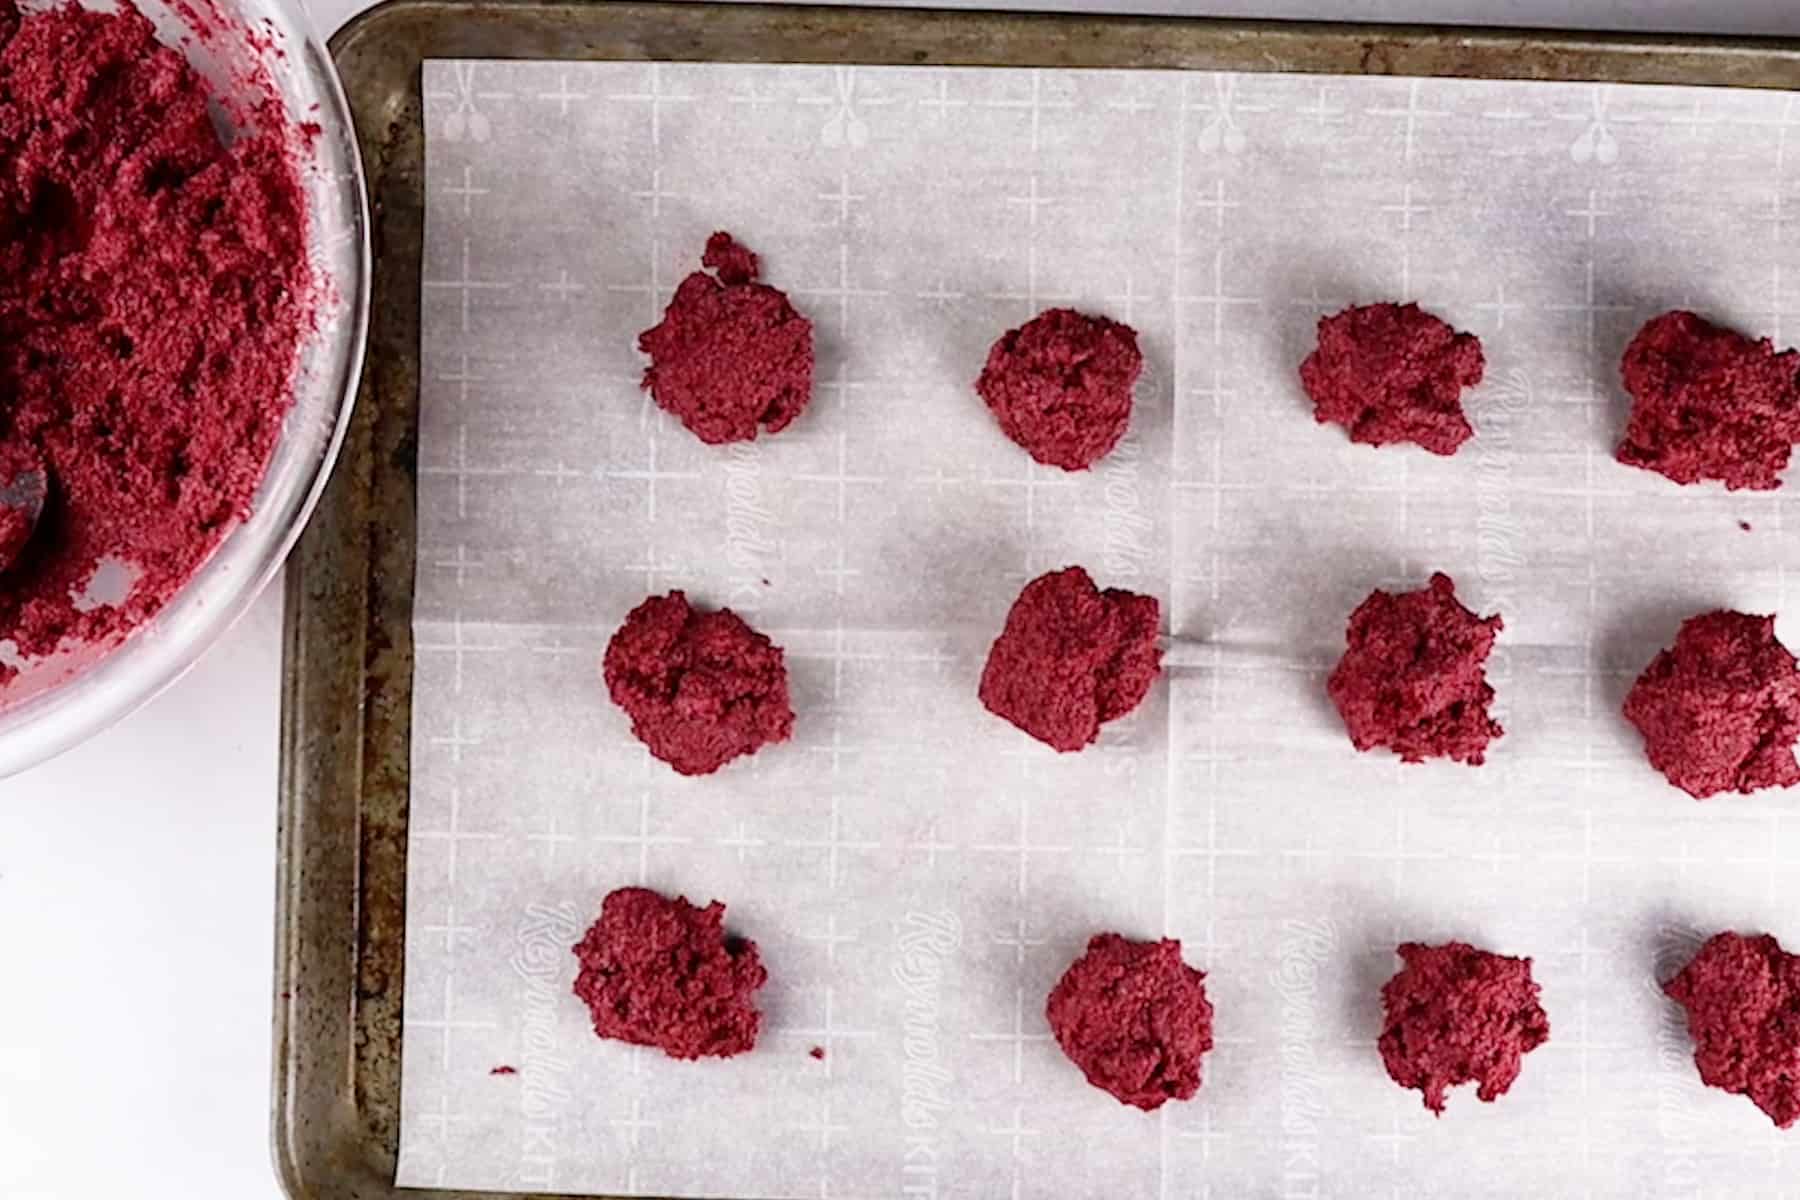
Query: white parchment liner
{"type": "Point", "coordinates": [916, 872]}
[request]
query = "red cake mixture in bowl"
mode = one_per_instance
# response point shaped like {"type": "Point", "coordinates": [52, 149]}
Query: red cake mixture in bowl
{"type": "Point", "coordinates": [182, 307]}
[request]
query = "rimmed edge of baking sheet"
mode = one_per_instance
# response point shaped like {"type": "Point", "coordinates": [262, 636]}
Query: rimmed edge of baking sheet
{"type": "Point", "coordinates": [347, 678]}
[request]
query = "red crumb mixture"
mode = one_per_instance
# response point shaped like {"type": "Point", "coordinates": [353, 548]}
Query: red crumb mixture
{"type": "Point", "coordinates": [154, 290]}
{"type": "Point", "coordinates": [730, 354]}
{"type": "Point", "coordinates": [1393, 373]}
{"type": "Point", "coordinates": [1742, 996]}
{"type": "Point", "coordinates": [1459, 1015]}
{"type": "Point", "coordinates": [1709, 403]}
{"type": "Point", "coordinates": [1071, 658]}
{"type": "Point", "coordinates": [504, 1070]}
{"type": "Point", "coordinates": [1060, 386]}
{"type": "Point", "coordinates": [1134, 1018]}
{"type": "Point", "coordinates": [817, 1052]}
{"type": "Point", "coordinates": [660, 972]}
{"type": "Point", "coordinates": [15, 532]}
{"type": "Point", "coordinates": [1413, 677]}
{"type": "Point", "coordinates": [700, 687]}
{"type": "Point", "coordinates": [1720, 710]}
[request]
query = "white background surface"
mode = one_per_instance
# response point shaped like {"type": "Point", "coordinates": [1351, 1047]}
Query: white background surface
{"type": "Point", "coordinates": [136, 874]}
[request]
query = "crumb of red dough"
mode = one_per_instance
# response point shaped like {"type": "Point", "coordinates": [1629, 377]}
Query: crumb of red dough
{"type": "Point", "coordinates": [1720, 710]}
{"type": "Point", "coordinates": [730, 355]}
{"type": "Point", "coordinates": [1134, 1018]}
{"type": "Point", "coordinates": [504, 1070]}
{"type": "Point", "coordinates": [155, 290]}
{"type": "Point", "coordinates": [1071, 657]}
{"type": "Point", "coordinates": [1742, 996]}
{"type": "Point", "coordinates": [1456, 1015]}
{"type": "Point", "coordinates": [660, 972]}
{"type": "Point", "coordinates": [735, 265]}
{"type": "Point", "coordinates": [1060, 386]}
{"type": "Point", "coordinates": [700, 687]}
{"type": "Point", "coordinates": [1709, 403]}
{"type": "Point", "coordinates": [1393, 373]}
{"type": "Point", "coordinates": [1413, 677]}
{"type": "Point", "coordinates": [817, 1052]}
{"type": "Point", "coordinates": [1744, 525]}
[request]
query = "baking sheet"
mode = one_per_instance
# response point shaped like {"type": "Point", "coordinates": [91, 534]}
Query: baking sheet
{"type": "Point", "coordinates": [917, 873]}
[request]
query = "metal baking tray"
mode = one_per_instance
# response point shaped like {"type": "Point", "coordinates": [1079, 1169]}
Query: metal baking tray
{"type": "Point", "coordinates": [346, 718]}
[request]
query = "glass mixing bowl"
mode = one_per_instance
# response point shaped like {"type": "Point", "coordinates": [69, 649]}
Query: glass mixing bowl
{"type": "Point", "coordinates": [58, 701]}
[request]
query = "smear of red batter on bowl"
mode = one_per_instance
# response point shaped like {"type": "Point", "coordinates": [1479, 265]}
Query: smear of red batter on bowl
{"type": "Point", "coordinates": [661, 972]}
{"type": "Point", "coordinates": [1742, 996]}
{"type": "Point", "coordinates": [1456, 1015]}
{"type": "Point", "coordinates": [154, 292]}
{"type": "Point", "coordinates": [15, 531]}
{"type": "Point", "coordinates": [1709, 403]}
{"type": "Point", "coordinates": [1720, 710]}
{"type": "Point", "coordinates": [730, 355]}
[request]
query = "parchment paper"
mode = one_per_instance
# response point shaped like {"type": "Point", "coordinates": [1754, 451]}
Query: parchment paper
{"type": "Point", "coordinates": [918, 873]}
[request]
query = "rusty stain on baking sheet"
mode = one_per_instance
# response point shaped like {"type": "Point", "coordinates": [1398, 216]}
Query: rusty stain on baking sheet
{"type": "Point", "coordinates": [348, 674]}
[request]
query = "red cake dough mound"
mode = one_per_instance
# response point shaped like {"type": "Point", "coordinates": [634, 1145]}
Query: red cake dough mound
{"type": "Point", "coordinates": [700, 687]}
{"type": "Point", "coordinates": [1708, 403]}
{"type": "Point", "coordinates": [1060, 386]}
{"type": "Point", "coordinates": [660, 972]}
{"type": "Point", "coordinates": [1134, 1018]}
{"type": "Point", "coordinates": [1720, 710]}
{"type": "Point", "coordinates": [1413, 677]}
{"type": "Point", "coordinates": [1742, 996]}
{"type": "Point", "coordinates": [1459, 1015]}
{"type": "Point", "coordinates": [1071, 657]}
{"type": "Point", "coordinates": [1393, 373]}
{"type": "Point", "coordinates": [730, 354]}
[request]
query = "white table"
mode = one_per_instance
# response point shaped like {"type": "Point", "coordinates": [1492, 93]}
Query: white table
{"type": "Point", "coordinates": [137, 872]}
